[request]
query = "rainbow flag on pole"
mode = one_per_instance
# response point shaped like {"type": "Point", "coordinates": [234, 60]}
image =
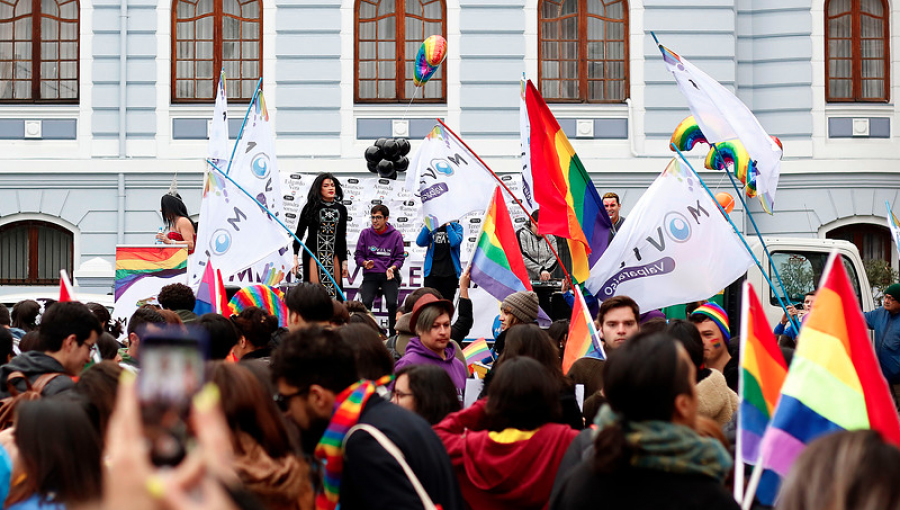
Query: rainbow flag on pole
{"type": "Point", "coordinates": [476, 351]}
{"type": "Point", "coordinates": [583, 337]}
{"type": "Point", "coordinates": [136, 263]}
{"type": "Point", "coordinates": [497, 264]}
{"type": "Point", "coordinates": [569, 203]}
{"type": "Point", "coordinates": [834, 382]}
{"type": "Point", "coordinates": [762, 373]}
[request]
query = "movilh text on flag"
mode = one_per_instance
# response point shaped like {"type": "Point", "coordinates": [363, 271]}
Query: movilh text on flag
{"type": "Point", "coordinates": [448, 178]}
{"type": "Point", "coordinates": [762, 373]}
{"type": "Point", "coordinates": [497, 264]}
{"type": "Point", "coordinates": [723, 117]}
{"type": "Point", "coordinates": [570, 206]}
{"type": "Point", "coordinates": [676, 247]}
{"type": "Point", "coordinates": [834, 382]}
{"type": "Point", "coordinates": [583, 337]}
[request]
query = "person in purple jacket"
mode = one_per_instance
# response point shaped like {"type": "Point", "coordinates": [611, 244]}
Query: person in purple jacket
{"type": "Point", "coordinates": [379, 252]}
{"type": "Point", "coordinates": [431, 320]}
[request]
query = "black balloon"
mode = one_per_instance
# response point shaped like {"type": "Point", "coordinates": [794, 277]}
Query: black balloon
{"type": "Point", "coordinates": [403, 146]}
{"type": "Point", "coordinates": [392, 175]}
{"type": "Point", "coordinates": [385, 168]}
{"type": "Point", "coordinates": [373, 166]}
{"type": "Point", "coordinates": [380, 142]}
{"type": "Point", "coordinates": [390, 150]}
{"type": "Point", "coordinates": [374, 154]}
{"type": "Point", "coordinates": [401, 164]}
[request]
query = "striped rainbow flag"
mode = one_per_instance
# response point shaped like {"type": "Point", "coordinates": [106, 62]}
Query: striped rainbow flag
{"type": "Point", "coordinates": [834, 382]}
{"type": "Point", "coordinates": [583, 337]}
{"type": "Point", "coordinates": [497, 264]}
{"type": "Point", "coordinates": [135, 263]}
{"type": "Point", "coordinates": [476, 351]}
{"type": "Point", "coordinates": [569, 203]}
{"type": "Point", "coordinates": [763, 370]}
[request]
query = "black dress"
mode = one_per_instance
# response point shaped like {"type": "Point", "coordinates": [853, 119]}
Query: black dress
{"type": "Point", "coordinates": [326, 224]}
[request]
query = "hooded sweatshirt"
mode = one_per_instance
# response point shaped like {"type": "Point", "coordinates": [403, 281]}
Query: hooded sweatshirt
{"type": "Point", "coordinates": [35, 364]}
{"type": "Point", "coordinates": [385, 249]}
{"type": "Point", "coordinates": [418, 354]}
{"type": "Point", "coordinates": [512, 469]}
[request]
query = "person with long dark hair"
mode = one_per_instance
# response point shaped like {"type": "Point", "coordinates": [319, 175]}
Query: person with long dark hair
{"type": "Point", "coordinates": [324, 217]}
{"type": "Point", "coordinates": [181, 230]}
{"type": "Point", "coordinates": [646, 437]}
{"type": "Point", "coordinates": [255, 328]}
{"type": "Point", "coordinates": [503, 447]}
{"type": "Point", "coordinates": [59, 453]}
{"type": "Point", "coordinates": [427, 391]}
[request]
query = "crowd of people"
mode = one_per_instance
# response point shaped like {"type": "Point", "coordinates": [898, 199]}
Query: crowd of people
{"type": "Point", "coordinates": [332, 411]}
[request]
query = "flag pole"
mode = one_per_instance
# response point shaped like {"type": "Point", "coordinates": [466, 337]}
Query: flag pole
{"type": "Point", "coordinates": [752, 485]}
{"type": "Point", "coordinates": [794, 322]}
{"type": "Point", "coordinates": [297, 239]}
{"type": "Point", "coordinates": [519, 202]}
{"type": "Point", "coordinates": [733, 226]}
{"type": "Point", "coordinates": [241, 132]}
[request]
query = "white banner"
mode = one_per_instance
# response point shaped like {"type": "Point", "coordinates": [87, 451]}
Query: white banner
{"type": "Point", "coordinates": [675, 247]}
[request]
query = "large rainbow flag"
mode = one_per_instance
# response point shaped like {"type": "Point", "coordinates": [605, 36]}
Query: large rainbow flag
{"type": "Point", "coordinates": [762, 374]}
{"type": "Point", "coordinates": [834, 382]}
{"type": "Point", "coordinates": [497, 264]}
{"type": "Point", "coordinates": [135, 263]}
{"type": "Point", "coordinates": [569, 203]}
{"type": "Point", "coordinates": [583, 337]}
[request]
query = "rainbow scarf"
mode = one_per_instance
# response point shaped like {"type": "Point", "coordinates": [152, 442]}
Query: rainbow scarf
{"type": "Point", "coordinates": [347, 408]}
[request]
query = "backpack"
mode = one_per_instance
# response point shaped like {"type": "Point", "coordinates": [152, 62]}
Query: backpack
{"type": "Point", "coordinates": [33, 392]}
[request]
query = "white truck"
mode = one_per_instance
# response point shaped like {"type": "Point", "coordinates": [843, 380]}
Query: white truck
{"type": "Point", "coordinates": [800, 262]}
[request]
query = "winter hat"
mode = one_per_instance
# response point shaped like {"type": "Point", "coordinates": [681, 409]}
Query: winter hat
{"type": "Point", "coordinates": [523, 305]}
{"type": "Point", "coordinates": [717, 314]}
{"type": "Point", "coordinates": [893, 291]}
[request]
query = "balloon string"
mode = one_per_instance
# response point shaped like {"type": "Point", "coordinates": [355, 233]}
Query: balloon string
{"type": "Point", "coordinates": [416, 91]}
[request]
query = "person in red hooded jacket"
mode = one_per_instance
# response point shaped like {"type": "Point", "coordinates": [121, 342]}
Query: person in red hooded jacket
{"type": "Point", "coordinates": [505, 448]}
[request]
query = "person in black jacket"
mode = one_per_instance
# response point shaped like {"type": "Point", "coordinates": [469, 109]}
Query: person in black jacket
{"type": "Point", "coordinates": [68, 333]}
{"type": "Point", "coordinates": [325, 218]}
{"type": "Point", "coordinates": [647, 454]}
{"type": "Point", "coordinates": [315, 371]}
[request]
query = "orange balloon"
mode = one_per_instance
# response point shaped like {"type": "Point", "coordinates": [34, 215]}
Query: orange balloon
{"type": "Point", "coordinates": [726, 201]}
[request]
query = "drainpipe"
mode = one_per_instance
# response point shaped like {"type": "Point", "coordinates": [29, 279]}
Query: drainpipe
{"type": "Point", "coordinates": [123, 73]}
{"type": "Point", "coordinates": [120, 211]}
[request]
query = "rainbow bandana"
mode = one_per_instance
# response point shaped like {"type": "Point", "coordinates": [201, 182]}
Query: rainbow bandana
{"type": "Point", "coordinates": [717, 314]}
{"type": "Point", "coordinates": [347, 408]}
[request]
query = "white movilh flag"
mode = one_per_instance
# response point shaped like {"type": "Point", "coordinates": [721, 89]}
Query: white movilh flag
{"type": "Point", "coordinates": [675, 247]}
{"type": "Point", "coordinates": [525, 142]}
{"type": "Point", "coordinates": [448, 178]}
{"type": "Point", "coordinates": [722, 117]}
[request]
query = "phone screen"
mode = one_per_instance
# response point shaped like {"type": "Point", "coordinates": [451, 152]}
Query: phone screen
{"type": "Point", "coordinates": [171, 374]}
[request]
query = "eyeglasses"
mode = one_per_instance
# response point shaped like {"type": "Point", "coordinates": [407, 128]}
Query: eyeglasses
{"type": "Point", "coordinates": [284, 401]}
{"type": "Point", "coordinates": [396, 395]}
{"type": "Point", "coordinates": [379, 217]}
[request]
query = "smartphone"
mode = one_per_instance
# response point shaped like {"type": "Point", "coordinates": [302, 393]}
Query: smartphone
{"type": "Point", "coordinates": [172, 372]}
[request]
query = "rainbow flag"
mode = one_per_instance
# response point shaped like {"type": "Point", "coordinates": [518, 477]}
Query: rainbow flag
{"type": "Point", "coordinates": [497, 264]}
{"type": "Point", "coordinates": [211, 296]}
{"type": "Point", "coordinates": [834, 382]}
{"type": "Point", "coordinates": [135, 263]}
{"type": "Point", "coordinates": [583, 337]}
{"type": "Point", "coordinates": [476, 351]}
{"type": "Point", "coordinates": [763, 370]}
{"type": "Point", "coordinates": [569, 203]}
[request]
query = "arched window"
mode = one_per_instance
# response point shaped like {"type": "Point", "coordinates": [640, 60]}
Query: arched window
{"type": "Point", "coordinates": [33, 252]}
{"type": "Point", "coordinates": [208, 35]}
{"type": "Point", "coordinates": [388, 36]}
{"type": "Point", "coordinates": [583, 50]}
{"type": "Point", "coordinates": [39, 51]}
{"type": "Point", "coordinates": [857, 48]}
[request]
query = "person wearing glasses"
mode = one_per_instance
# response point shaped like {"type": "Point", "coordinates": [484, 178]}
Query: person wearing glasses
{"type": "Point", "coordinates": [380, 253]}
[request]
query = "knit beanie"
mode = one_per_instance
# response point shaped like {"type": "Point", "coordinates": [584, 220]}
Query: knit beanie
{"type": "Point", "coordinates": [893, 291]}
{"type": "Point", "coordinates": [523, 305]}
{"type": "Point", "coordinates": [717, 314]}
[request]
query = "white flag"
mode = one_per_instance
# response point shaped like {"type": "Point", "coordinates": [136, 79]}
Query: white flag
{"type": "Point", "coordinates": [448, 178]}
{"type": "Point", "coordinates": [241, 232]}
{"type": "Point", "coordinates": [722, 117]}
{"type": "Point", "coordinates": [675, 247]}
{"type": "Point", "coordinates": [525, 142]}
{"type": "Point", "coordinates": [217, 152]}
{"type": "Point", "coordinates": [893, 224]}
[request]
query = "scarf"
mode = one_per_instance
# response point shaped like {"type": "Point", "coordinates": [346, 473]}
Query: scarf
{"type": "Point", "coordinates": [665, 446]}
{"type": "Point", "coordinates": [347, 408]}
